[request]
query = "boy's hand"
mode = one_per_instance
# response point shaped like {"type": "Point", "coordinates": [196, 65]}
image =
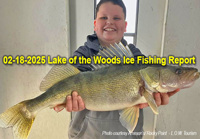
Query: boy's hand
{"type": "Point", "coordinates": [74, 103]}
{"type": "Point", "coordinates": [160, 98]}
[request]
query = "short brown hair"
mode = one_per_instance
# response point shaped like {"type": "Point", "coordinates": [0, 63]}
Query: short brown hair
{"type": "Point", "coordinates": [115, 2]}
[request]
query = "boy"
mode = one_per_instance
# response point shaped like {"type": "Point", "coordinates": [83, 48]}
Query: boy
{"type": "Point", "coordinates": [109, 26]}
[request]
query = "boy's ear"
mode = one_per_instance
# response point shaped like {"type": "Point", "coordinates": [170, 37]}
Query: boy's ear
{"type": "Point", "coordinates": [125, 25]}
{"type": "Point", "coordinates": [95, 24]}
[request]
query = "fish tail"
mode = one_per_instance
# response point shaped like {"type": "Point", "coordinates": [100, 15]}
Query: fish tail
{"type": "Point", "coordinates": [19, 118]}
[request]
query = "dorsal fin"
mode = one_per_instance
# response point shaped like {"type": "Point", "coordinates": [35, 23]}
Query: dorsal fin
{"type": "Point", "coordinates": [118, 50]}
{"type": "Point", "coordinates": [56, 74]}
{"type": "Point", "coordinates": [126, 50]}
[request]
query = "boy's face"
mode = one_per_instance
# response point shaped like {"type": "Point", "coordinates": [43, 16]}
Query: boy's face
{"type": "Point", "coordinates": [110, 24]}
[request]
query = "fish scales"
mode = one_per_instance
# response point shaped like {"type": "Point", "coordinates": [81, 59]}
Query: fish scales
{"type": "Point", "coordinates": [110, 90]}
{"type": "Point", "coordinates": [90, 84]}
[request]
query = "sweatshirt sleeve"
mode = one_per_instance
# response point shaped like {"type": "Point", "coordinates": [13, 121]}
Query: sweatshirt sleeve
{"type": "Point", "coordinates": [85, 52]}
{"type": "Point", "coordinates": [136, 52]}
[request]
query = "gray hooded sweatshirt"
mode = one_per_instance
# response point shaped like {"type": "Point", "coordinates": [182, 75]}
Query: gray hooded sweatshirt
{"type": "Point", "coordinates": [88, 124]}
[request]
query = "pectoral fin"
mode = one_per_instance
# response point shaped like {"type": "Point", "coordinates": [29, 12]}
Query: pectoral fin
{"type": "Point", "coordinates": [129, 117]}
{"type": "Point", "coordinates": [150, 100]}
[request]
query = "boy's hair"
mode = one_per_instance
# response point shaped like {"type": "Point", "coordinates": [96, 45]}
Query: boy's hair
{"type": "Point", "coordinates": [115, 2]}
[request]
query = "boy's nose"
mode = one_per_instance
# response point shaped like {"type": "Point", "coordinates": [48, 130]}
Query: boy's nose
{"type": "Point", "coordinates": [109, 22]}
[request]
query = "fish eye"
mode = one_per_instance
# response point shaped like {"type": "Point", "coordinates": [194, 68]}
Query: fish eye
{"type": "Point", "coordinates": [178, 71]}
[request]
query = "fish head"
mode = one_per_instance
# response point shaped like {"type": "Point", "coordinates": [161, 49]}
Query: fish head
{"type": "Point", "coordinates": [169, 78]}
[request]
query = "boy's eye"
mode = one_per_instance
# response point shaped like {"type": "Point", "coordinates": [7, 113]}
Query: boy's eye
{"type": "Point", "coordinates": [103, 17]}
{"type": "Point", "coordinates": [116, 18]}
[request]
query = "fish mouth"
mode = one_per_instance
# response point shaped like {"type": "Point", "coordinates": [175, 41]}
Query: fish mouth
{"type": "Point", "coordinates": [192, 77]}
{"type": "Point", "coordinates": [197, 74]}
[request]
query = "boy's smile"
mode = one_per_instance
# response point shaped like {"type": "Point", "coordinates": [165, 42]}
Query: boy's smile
{"type": "Point", "coordinates": [110, 24]}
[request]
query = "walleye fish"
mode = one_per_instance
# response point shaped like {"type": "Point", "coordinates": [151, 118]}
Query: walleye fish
{"type": "Point", "coordinates": [113, 87]}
